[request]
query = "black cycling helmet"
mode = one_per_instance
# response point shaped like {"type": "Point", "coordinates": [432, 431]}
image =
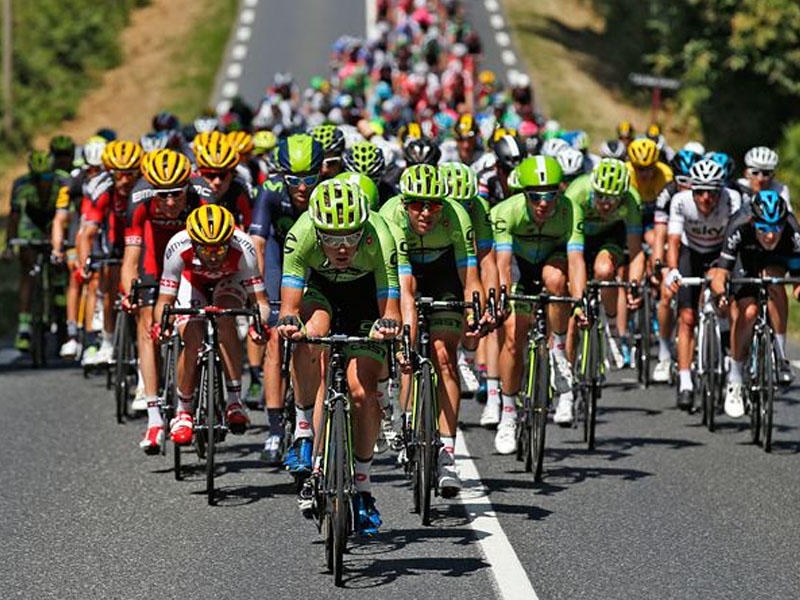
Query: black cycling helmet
{"type": "Point", "coordinates": [421, 151]}
{"type": "Point", "coordinates": [508, 152]}
{"type": "Point", "coordinates": [164, 121]}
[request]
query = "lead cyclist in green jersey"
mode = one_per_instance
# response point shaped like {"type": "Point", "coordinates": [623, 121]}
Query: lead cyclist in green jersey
{"type": "Point", "coordinates": [340, 276]}
{"type": "Point", "coordinates": [543, 230]}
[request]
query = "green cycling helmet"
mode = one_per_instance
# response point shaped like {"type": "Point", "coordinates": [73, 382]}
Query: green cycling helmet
{"type": "Point", "coordinates": [539, 172]}
{"type": "Point", "coordinates": [462, 184]}
{"type": "Point", "coordinates": [365, 158]}
{"type": "Point", "coordinates": [299, 153]}
{"type": "Point", "coordinates": [423, 182]}
{"type": "Point", "coordinates": [263, 142]}
{"type": "Point", "coordinates": [610, 177]}
{"type": "Point", "coordinates": [365, 184]}
{"type": "Point", "coordinates": [338, 206]}
{"type": "Point", "coordinates": [40, 162]}
{"type": "Point", "coordinates": [331, 138]}
{"type": "Point", "coordinates": [62, 144]}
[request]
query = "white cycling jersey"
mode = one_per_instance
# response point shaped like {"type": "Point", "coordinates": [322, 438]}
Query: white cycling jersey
{"type": "Point", "coordinates": [701, 233]}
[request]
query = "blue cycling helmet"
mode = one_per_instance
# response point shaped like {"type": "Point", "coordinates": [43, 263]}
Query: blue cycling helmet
{"type": "Point", "coordinates": [769, 208]}
{"type": "Point", "coordinates": [682, 163]}
{"type": "Point", "coordinates": [724, 161]}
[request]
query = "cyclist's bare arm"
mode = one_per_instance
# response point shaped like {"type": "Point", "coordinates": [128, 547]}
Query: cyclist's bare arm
{"type": "Point", "coordinates": [130, 267]}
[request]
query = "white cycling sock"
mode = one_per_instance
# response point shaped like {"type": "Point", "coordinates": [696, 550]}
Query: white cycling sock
{"type": "Point", "coordinates": [735, 374]}
{"type": "Point", "coordinates": [664, 352]}
{"type": "Point", "coordinates": [559, 344]}
{"type": "Point", "coordinates": [686, 380]}
{"type": "Point", "coordinates": [509, 413]}
{"type": "Point", "coordinates": [153, 412]}
{"type": "Point", "coordinates": [449, 444]}
{"type": "Point", "coordinates": [184, 403]}
{"type": "Point", "coordinates": [493, 391]}
{"type": "Point", "coordinates": [234, 389]}
{"type": "Point", "coordinates": [362, 469]}
{"type": "Point", "coordinates": [780, 345]}
{"type": "Point", "coordinates": [302, 423]}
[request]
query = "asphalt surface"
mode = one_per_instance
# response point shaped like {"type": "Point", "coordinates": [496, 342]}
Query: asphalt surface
{"type": "Point", "coordinates": [661, 509]}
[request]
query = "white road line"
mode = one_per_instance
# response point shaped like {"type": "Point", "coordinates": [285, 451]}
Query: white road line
{"type": "Point", "coordinates": [234, 70]}
{"type": "Point", "coordinates": [497, 21]}
{"type": "Point", "coordinates": [502, 38]}
{"type": "Point", "coordinates": [250, 3]}
{"type": "Point", "coordinates": [510, 577]}
{"type": "Point", "coordinates": [243, 34]}
{"type": "Point", "coordinates": [223, 106]}
{"type": "Point", "coordinates": [247, 16]}
{"type": "Point", "coordinates": [795, 364]}
{"type": "Point", "coordinates": [491, 5]}
{"type": "Point", "coordinates": [371, 16]}
{"type": "Point", "coordinates": [229, 89]}
{"type": "Point", "coordinates": [508, 57]}
{"type": "Point", "coordinates": [239, 52]}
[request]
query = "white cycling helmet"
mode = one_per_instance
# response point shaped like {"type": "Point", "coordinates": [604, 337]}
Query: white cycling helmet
{"type": "Point", "coordinates": [571, 161]}
{"type": "Point", "coordinates": [552, 146]}
{"type": "Point", "coordinates": [695, 147]}
{"type": "Point", "coordinates": [613, 149]}
{"type": "Point", "coordinates": [761, 157]}
{"type": "Point", "coordinates": [93, 151]}
{"type": "Point", "coordinates": [706, 175]}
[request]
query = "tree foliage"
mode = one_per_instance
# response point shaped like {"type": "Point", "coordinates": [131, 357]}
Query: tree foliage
{"type": "Point", "coordinates": [59, 49]}
{"type": "Point", "coordinates": [738, 61]}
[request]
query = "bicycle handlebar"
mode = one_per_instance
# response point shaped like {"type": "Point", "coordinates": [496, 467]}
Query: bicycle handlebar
{"type": "Point", "coordinates": [211, 312]}
{"type": "Point", "coordinates": [543, 298]}
{"type": "Point", "coordinates": [22, 242]}
{"type": "Point", "coordinates": [764, 280]}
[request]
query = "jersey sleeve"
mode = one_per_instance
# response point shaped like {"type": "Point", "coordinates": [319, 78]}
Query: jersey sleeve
{"type": "Point", "coordinates": [403, 263]}
{"type": "Point", "coordinates": [732, 242]}
{"type": "Point", "coordinates": [248, 264]}
{"type": "Point", "coordinates": [676, 220]}
{"type": "Point", "coordinates": [262, 214]}
{"type": "Point", "coordinates": [173, 264]}
{"type": "Point", "coordinates": [297, 249]}
{"type": "Point", "coordinates": [501, 227]}
{"type": "Point", "coordinates": [633, 214]}
{"type": "Point", "coordinates": [576, 233]}
{"type": "Point", "coordinates": [387, 283]}
{"type": "Point", "coordinates": [482, 225]}
{"type": "Point", "coordinates": [134, 229]}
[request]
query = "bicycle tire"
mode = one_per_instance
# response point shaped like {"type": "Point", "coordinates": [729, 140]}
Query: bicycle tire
{"type": "Point", "coordinates": [339, 504]}
{"type": "Point", "coordinates": [120, 367]}
{"type": "Point", "coordinates": [209, 402]}
{"type": "Point", "coordinates": [539, 416]}
{"type": "Point", "coordinates": [767, 388]}
{"type": "Point", "coordinates": [643, 358]}
{"type": "Point", "coordinates": [753, 391]}
{"type": "Point", "coordinates": [584, 384]}
{"type": "Point", "coordinates": [426, 443]}
{"type": "Point", "coordinates": [594, 387]}
{"type": "Point", "coordinates": [38, 344]}
{"type": "Point", "coordinates": [523, 433]}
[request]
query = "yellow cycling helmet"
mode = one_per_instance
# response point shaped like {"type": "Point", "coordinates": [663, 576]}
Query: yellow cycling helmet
{"type": "Point", "coordinates": [206, 137]}
{"type": "Point", "coordinates": [217, 153]}
{"type": "Point", "coordinates": [210, 225]}
{"type": "Point", "coordinates": [167, 169]}
{"type": "Point", "coordinates": [242, 141]}
{"type": "Point", "coordinates": [122, 155]}
{"type": "Point", "coordinates": [487, 77]}
{"type": "Point", "coordinates": [642, 153]}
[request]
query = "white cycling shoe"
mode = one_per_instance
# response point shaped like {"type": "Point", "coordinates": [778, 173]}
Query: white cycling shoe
{"type": "Point", "coordinates": [662, 372]}
{"type": "Point", "coordinates": [505, 440]}
{"type": "Point", "coordinates": [563, 414]}
{"type": "Point", "coordinates": [734, 400]}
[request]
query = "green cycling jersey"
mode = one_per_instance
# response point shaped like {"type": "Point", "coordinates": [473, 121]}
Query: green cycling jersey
{"type": "Point", "coordinates": [376, 254]}
{"type": "Point", "coordinates": [515, 229]}
{"type": "Point", "coordinates": [478, 210]}
{"type": "Point", "coordinates": [629, 211]}
{"type": "Point", "coordinates": [453, 230]}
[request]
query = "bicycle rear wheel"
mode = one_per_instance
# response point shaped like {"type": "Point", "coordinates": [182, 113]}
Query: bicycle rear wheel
{"type": "Point", "coordinates": [767, 385]}
{"type": "Point", "coordinates": [753, 391]}
{"type": "Point", "coordinates": [593, 390]}
{"type": "Point", "coordinates": [539, 417]}
{"type": "Point", "coordinates": [208, 401]}
{"type": "Point", "coordinates": [524, 429]}
{"type": "Point", "coordinates": [121, 366]}
{"type": "Point", "coordinates": [643, 354]}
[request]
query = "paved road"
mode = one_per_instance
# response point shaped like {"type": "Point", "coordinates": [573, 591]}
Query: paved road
{"type": "Point", "coordinates": [661, 509]}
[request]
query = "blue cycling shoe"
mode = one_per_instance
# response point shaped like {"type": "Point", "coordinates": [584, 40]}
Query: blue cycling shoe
{"type": "Point", "coordinates": [625, 351]}
{"type": "Point", "coordinates": [298, 458]}
{"type": "Point", "coordinates": [366, 517]}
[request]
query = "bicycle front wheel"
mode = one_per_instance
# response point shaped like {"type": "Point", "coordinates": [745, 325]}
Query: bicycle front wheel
{"type": "Point", "coordinates": [120, 366]}
{"type": "Point", "coordinates": [340, 506]}
{"type": "Point", "coordinates": [767, 384]}
{"type": "Point", "coordinates": [753, 390]}
{"type": "Point", "coordinates": [208, 402]}
{"type": "Point", "coordinates": [425, 431]}
{"type": "Point", "coordinates": [540, 398]}
{"type": "Point", "coordinates": [643, 355]}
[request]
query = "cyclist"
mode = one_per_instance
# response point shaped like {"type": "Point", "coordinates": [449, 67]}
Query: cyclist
{"type": "Point", "coordinates": [695, 233]}
{"type": "Point", "coordinates": [63, 237]}
{"type": "Point", "coordinates": [332, 140]}
{"type": "Point", "coordinates": [247, 169]}
{"type": "Point", "coordinates": [210, 262]}
{"type": "Point", "coordinates": [279, 203]}
{"type": "Point", "coordinates": [368, 159]}
{"type": "Point", "coordinates": [759, 174]}
{"type": "Point", "coordinates": [62, 149]}
{"type": "Point", "coordinates": [543, 230]}
{"type": "Point", "coordinates": [612, 233]}
{"type": "Point", "coordinates": [625, 133]}
{"type": "Point", "coordinates": [681, 165]}
{"type": "Point", "coordinates": [466, 133]}
{"type": "Point", "coordinates": [441, 250]}
{"type": "Point", "coordinates": [218, 164]}
{"type": "Point", "coordinates": [421, 151]}
{"type": "Point", "coordinates": [340, 276]}
{"type": "Point", "coordinates": [765, 238]}
{"type": "Point", "coordinates": [102, 232]}
{"type": "Point", "coordinates": [158, 209]}
{"type": "Point", "coordinates": [494, 167]}
{"type": "Point", "coordinates": [34, 198]}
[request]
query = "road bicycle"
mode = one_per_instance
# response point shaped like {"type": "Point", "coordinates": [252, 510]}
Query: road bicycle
{"type": "Point", "coordinates": [210, 426]}
{"type": "Point", "coordinates": [421, 433]}
{"type": "Point", "coordinates": [642, 332]}
{"type": "Point", "coordinates": [761, 374]}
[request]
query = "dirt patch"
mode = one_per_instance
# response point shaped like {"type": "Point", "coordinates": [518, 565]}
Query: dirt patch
{"type": "Point", "coordinates": [127, 96]}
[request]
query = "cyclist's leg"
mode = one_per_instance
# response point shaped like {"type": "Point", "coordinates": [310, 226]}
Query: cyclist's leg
{"type": "Point", "coordinates": [271, 380]}
{"type": "Point", "coordinates": [662, 371]}
{"type": "Point", "coordinates": [554, 278]}
{"type": "Point", "coordinates": [27, 257]}
{"type": "Point", "coordinates": [778, 311]}
{"type": "Point", "coordinates": [743, 318]}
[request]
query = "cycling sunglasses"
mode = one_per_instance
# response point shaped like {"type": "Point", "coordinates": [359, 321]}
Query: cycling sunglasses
{"type": "Point", "coordinates": [212, 174]}
{"type": "Point", "coordinates": [215, 251]}
{"type": "Point", "coordinates": [44, 177]}
{"type": "Point", "coordinates": [607, 198]}
{"type": "Point", "coordinates": [764, 228]}
{"type": "Point", "coordinates": [537, 197]}
{"type": "Point", "coordinates": [119, 173]}
{"type": "Point", "coordinates": [174, 193]}
{"type": "Point", "coordinates": [432, 207]}
{"type": "Point", "coordinates": [764, 172]}
{"type": "Point", "coordinates": [331, 162]}
{"type": "Point", "coordinates": [334, 240]}
{"type": "Point", "coordinates": [295, 181]}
